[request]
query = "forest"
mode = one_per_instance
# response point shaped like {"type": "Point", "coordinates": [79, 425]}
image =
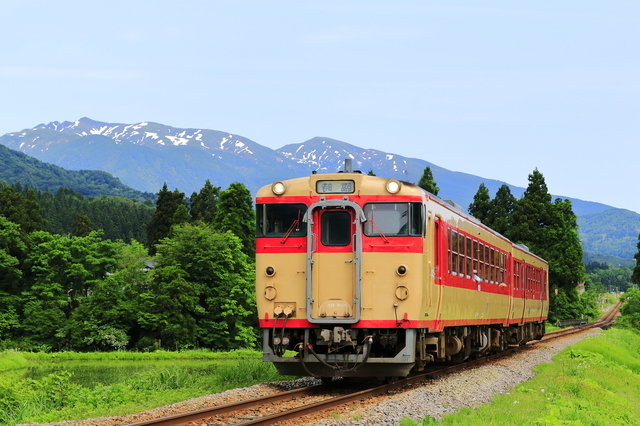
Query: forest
{"type": "Point", "coordinates": [107, 273]}
{"type": "Point", "coordinates": [75, 273]}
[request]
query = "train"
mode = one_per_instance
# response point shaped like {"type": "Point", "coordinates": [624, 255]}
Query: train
{"type": "Point", "coordinates": [365, 276]}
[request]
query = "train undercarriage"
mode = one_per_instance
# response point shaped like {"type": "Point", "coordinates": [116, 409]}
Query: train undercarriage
{"type": "Point", "coordinates": [353, 352]}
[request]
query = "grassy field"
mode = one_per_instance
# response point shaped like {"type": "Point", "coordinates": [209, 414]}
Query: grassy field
{"type": "Point", "coordinates": [593, 383]}
{"type": "Point", "coordinates": [55, 397]}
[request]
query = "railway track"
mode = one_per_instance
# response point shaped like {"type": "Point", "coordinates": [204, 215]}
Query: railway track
{"type": "Point", "coordinates": [301, 402]}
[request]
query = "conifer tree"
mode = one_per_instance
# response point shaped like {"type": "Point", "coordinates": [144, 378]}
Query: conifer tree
{"type": "Point", "coordinates": [160, 225]}
{"type": "Point", "coordinates": [550, 230]}
{"type": "Point", "coordinates": [235, 213]}
{"type": "Point", "coordinates": [427, 182]}
{"type": "Point", "coordinates": [501, 211]}
{"type": "Point", "coordinates": [481, 204]}
{"type": "Point", "coordinates": [204, 204]}
{"type": "Point", "coordinates": [81, 226]}
{"type": "Point", "coordinates": [635, 278]}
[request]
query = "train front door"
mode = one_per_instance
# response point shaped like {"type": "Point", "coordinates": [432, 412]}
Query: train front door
{"type": "Point", "coordinates": [333, 280]}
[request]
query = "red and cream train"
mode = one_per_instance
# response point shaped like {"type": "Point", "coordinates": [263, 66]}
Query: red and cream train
{"type": "Point", "coordinates": [367, 276]}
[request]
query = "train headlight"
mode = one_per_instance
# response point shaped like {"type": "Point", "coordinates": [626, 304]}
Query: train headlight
{"type": "Point", "coordinates": [402, 270]}
{"type": "Point", "coordinates": [393, 186]}
{"type": "Point", "coordinates": [278, 188]}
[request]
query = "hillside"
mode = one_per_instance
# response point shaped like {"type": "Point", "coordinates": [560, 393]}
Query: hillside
{"type": "Point", "coordinates": [612, 232]}
{"type": "Point", "coordinates": [16, 167]}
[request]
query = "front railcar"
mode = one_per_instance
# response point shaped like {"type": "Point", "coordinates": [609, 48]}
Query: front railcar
{"type": "Point", "coordinates": [339, 272]}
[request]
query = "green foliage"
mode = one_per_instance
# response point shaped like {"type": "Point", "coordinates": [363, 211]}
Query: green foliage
{"type": "Point", "coordinates": [635, 278]}
{"type": "Point", "coordinates": [204, 204]}
{"type": "Point", "coordinates": [117, 217]}
{"type": "Point", "coordinates": [163, 219]}
{"type": "Point", "coordinates": [550, 231]}
{"type": "Point", "coordinates": [480, 206]}
{"type": "Point", "coordinates": [81, 226]}
{"type": "Point", "coordinates": [501, 209]}
{"type": "Point", "coordinates": [427, 182]}
{"type": "Point", "coordinates": [235, 214]}
{"type": "Point", "coordinates": [630, 318]}
{"type": "Point", "coordinates": [201, 291]}
{"type": "Point", "coordinates": [21, 209]}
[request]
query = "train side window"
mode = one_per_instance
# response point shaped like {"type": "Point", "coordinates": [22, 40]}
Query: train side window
{"type": "Point", "coordinates": [277, 220]}
{"type": "Point", "coordinates": [469, 258]}
{"type": "Point", "coordinates": [481, 269]}
{"type": "Point", "coordinates": [454, 253]}
{"type": "Point", "coordinates": [461, 254]}
{"type": "Point", "coordinates": [449, 255]}
{"type": "Point", "coordinates": [336, 228]}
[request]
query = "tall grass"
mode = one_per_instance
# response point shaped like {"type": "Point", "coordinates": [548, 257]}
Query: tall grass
{"type": "Point", "coordinates": [12, 360]}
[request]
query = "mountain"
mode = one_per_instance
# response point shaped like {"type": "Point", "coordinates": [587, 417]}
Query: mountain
{"type": "Point", "coordinates": [16, 167]}
{"type": "Point", "coordinates": [612, 232]}
{"type": "Point", "coordinates": [146, 155]}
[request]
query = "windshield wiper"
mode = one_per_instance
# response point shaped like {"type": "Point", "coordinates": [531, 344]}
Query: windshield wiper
{"type": "Point", "coordinates": [294, 225]}
{"type": "Point", "coordinates": [379, 231]}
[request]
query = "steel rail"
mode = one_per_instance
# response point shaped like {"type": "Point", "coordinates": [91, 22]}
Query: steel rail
{"type": "Point", "coordinates": [176, 419]}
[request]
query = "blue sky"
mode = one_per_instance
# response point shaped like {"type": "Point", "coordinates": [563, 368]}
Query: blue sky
{"type": "Point", "coordinates": [494, 88]}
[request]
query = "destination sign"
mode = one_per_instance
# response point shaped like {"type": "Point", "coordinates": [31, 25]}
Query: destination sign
{"type": "Point", "coordinates": [335, 187]}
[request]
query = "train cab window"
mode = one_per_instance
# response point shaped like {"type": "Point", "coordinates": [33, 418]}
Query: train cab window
{"type": "Point", "coordinates": [336, 228]}
{"type": "Point", "coordinates": [393, 219]}
{"type": "Point", "coordinates": [280, 220]}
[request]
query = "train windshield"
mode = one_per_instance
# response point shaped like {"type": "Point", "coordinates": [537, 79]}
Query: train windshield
{"type": "Point", "coordinates": [393, 219]}
{"type": "Point", "coordinates": [280, 220]}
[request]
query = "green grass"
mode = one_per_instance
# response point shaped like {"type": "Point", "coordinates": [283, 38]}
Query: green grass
{"type": "Point", "coordinates": [12, 360]}
{"type": "Point", "coordinates": [56, 397]}
{"type": "Point", "coordinates": [595, 382]}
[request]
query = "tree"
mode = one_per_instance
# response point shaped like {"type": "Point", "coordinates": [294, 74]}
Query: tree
{"type": "Point", "coordinates": [64, 272]}
{"type": "Point", "coordinates": [635, 278]}
{"type": "Point", "coordinates": [201, 293]}
{"type": "Point", "coordinates": [204, 204]}
{"type": "Point", "coordinates": [370, 173]}
{"type": "Point", "coordinates": [427, 182]}
{"type": "Point", "coordinates": [481, 204]}
{"type": "Point", "coordinates": [81, 226]}
{"type": "Point", "coordinates": [23, 210]}
{"type": "Point", "coordinates": [501, 210]}
{"type": "Point", "coordinates": [13, 252]}
{"type": "Point", "coordinates": [550, 230]}
{"type": "Point", "coordinates": [163, 218]}
{"type": "Point", "coordinates": [108, 319]}
{"type": "Point", "coordinates": [235, 214]}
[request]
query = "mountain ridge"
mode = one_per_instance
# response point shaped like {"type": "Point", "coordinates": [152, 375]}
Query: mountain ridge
{"type": "Point", "coordinates": [145, 155]}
